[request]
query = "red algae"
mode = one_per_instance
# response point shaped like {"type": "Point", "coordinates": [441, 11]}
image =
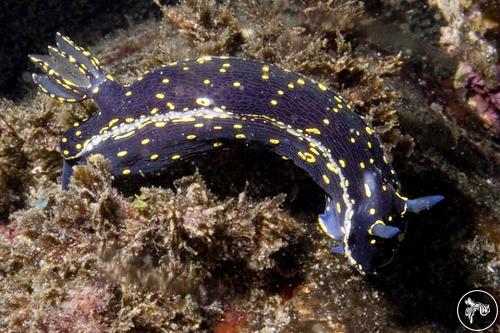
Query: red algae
{"type": "Point", "coordinates": [232, 322]}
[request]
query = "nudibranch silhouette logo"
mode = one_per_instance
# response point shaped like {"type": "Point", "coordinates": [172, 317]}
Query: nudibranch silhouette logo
{"type": "Point", "coordinates": [473, 307]}
{"type": "Point", "coordinates": [477, 310]}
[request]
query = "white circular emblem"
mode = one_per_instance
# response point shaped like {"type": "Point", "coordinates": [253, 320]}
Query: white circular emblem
{"type": "Point", "coordinates": [477, 310]}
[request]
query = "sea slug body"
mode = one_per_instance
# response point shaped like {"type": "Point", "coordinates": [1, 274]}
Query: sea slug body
{"type": "Point", "coordinates": [195, 105]}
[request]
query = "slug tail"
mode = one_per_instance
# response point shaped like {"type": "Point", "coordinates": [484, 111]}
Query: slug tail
{"type": "Point", "coordinates": [71, 73]}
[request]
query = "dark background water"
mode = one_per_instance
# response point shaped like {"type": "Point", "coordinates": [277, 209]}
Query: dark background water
{"type": "Point", "coordinates": [28, 26]}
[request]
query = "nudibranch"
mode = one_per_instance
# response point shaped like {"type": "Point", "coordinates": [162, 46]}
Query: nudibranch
{"type": "Point", "coordinates": [195, 105]}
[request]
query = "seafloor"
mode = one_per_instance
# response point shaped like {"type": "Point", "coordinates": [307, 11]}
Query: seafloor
{"type": "Point", "coordinates": [227, 242]}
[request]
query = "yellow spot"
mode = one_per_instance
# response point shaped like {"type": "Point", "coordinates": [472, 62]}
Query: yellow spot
{"type": "Point", "coordinates": [362, 165]}
{"type": "Point", "coordinates": [389, 218]}
{"type": "Point", "coordinates": [96, 90]}
{"type": "Point", "coordinates": [372, 211]}
{"type": "Point", "coordinates": [323, 226]}
{"type": "Point", "coordinates": [368, 192]}
{"type": "Point", "coordinates": [65, 152]}
{"type": "Point", "coordinates": [373, 225]}
{"type": "Point", "coordinates": [126, 172]}
{"type": "Point", "coordinates": [309, 157]}
{"type": "Point", "coordinates": [322, 87]}
{"type": "Point", "coordinates": [339, 209]}
{"type": "Point", "coordinates": [237, 126]}
{"type": "Point", "coordinates": [171, 106]}
{"type": "Point", "coordinates": [64, 140]}
{"type": "Point", "coordinates": [265, 68]}
{"type": "Point", "coordinates": [222, 70]}
{"type": "Point", "coordinates": [121, 153]}
{"type": "Point", "coordinates": [369, 144]}
{"type": "Point", "coordinates": [217, 128]}
{"type": "Point", "coordinates": [326, 179]}
{"type": "Point", "coordinates": [226, 65]}
{"type": "Point", "coordinates": [342, 163]}
{"type": "Point", "coordinates": [154, 111]}
{"type": "Point", "coordinates": [372, 161]}
{"type": "Point", "coordinates": [385, 159]}
{"type": "Point", "coordinates": [236, 84]}
{"type": "Point", "coordinates": [353, 140]}
{"type": "Point", "coordinates": [199, 125]}
{"type": "Point", "coordinates": [280, 92]}
{"type": "Point", "coordinates": [313, 131]}
{"type": "Point", "coordinates": [274, 102]}
{"type": "Point", "coordinates": [109, 77]}
{"type": "Point", "coordinates": [129, 120]}
{"type": "Point", "coordinates": [373, 241]}
{"type": "Point", "coordinates": [346, 200]}
{"type": "Point", "coordinates": [165, 81]}
{"type": "Point", "coordinates": [176, 157]}
{"type": "Point", "coordinates": [145, 141]}
{"type": "Point", "coordinates": [191, 137]}
{"type": "Point", "coordinates": [301, 81]}
{"type": "Point", "coordinates": [160, 124]}
{"type": "Point", "coordinates": [274, 141]}
{"type": "Point", "coordinates": [384, 188]}
{"type": "Point", "coordinates": [126, 135]}
{"type": "Point", "coordinates": [326, 121]}
{"type": "Point", "coordinates": [368, 130]}
{"type": "Point", "coordinates": [338, 99]}
{"type": "Point", "coordinates": [76, 124]}
{"type": "Point", "coordinates": [240, 136]}
{"type": "Point", "coordinates": [160, 96]}
{"type": "Point", "coordinates": [203, 101]}
{"type": "Point", "coordinates": [128, 93]}
{"type": "Point", "coordinates": [203, 59]}
{"type": "Point", "coordinates": [331, 168]}
{"type": "Point", "coordinates": [265, 77]}
{"type": "Point", "coordinates": [217, 144]}
{"type": "Point", "coordinates": [314, 151]}
{"type": "Point", "coordinates": [78, 146]}
{"type": "Point", "coordinates": [185, 68]}
{"type": "Point", "coordinates": [154, 157]}
{"type": "Point", "coordinates": [335, 110]}
{"type": "Point", "coordinates": [291, 85]}
{"type": "Point", "coordinates": [113, 122]}
{"type": "Point", "coordinates": [401, 197]}
{"type": "Point", "coordinates": [78, 133]}
{"type": "Point", "coordinates": [206, 81]}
